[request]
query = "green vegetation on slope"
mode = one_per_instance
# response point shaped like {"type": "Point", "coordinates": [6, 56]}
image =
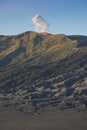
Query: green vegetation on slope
{"type": "Point", "coordinates": [33, 57]}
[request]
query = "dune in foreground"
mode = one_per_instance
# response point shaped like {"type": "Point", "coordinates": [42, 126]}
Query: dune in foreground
{"type": "Point", "coordinates": [11, 119]}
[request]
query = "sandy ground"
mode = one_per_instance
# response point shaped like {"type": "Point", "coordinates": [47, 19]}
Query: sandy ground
{"type": "Point", "coordinates": [49, 120]}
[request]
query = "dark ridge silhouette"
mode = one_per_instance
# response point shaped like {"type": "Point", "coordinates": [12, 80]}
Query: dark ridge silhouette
{"type": "Point", "coordinates": [82, 40]}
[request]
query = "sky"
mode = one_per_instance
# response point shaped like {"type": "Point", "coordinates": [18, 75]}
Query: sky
{"type": "Point", "coordinates": [59, 16]}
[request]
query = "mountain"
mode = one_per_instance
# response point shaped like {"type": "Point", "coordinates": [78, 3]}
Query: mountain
{"type": "Point", "coordinates": [39, 70]}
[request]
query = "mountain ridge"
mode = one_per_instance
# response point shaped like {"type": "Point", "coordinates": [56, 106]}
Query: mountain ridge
{"type": "Point", "coordinates": [41, 69]}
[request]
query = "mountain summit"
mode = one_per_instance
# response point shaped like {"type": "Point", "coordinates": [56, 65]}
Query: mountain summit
{"type": "Point", "coordinates": [40, 70]}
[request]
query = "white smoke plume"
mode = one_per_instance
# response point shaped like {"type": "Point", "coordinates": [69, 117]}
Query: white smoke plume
{"type": "Point", "coordinates": [40, 23]}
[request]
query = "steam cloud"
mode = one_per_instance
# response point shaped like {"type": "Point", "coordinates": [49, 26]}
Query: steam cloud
{"type": "Point", "coordinates": [40, 23]}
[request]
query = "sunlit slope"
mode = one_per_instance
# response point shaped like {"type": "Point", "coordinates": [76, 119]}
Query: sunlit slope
{"type": "Point", "coordinates": [34, 53]}
{"type": "Point", "coordinates": [43, 67]}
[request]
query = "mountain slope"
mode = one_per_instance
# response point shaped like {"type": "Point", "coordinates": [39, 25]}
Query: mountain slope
{"type": "Point", "coordinates": [41, 69]}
